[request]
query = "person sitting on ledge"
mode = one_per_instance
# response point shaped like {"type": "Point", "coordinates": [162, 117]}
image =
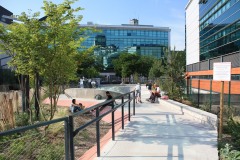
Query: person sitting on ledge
{"type": "Point", "coordinates": [109, 97]}
{"type": "Point", "coordinates": [76, 107]}
{"type": "Point", "coordinates": [152, 98]}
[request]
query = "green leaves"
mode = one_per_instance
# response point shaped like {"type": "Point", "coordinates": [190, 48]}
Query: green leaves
{"type": "Point", "coordinates": [88, 65]}
{"type": "Point", "coordinates": [227, 153]}
{"type": "Point", "coordinates": [128, 64]}
{"type": "Point", "coordinates": [47, 46]}
{"type": "Point", "coordinates": [157, 69]}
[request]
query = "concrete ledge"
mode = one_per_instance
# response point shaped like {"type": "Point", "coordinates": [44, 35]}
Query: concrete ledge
{"type": "Point", "coordinates": [88, 93]}
{"type": "Point", "coordinates": [201, 116]}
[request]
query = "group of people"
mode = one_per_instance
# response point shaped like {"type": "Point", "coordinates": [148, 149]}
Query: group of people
{"type": "Point", "coordinates": [79, 107]}
{"type": "Point", "coordinates": [154, 91]}
{"type": "Point", "coordinates": [88, 83]}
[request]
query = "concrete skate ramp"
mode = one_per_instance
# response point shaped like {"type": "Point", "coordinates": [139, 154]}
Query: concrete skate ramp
{"type": "Point", "coordinates": [91, 92]}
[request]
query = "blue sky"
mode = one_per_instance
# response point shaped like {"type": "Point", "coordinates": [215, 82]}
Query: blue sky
{"type": "Point", "coordinates": [163, 13]}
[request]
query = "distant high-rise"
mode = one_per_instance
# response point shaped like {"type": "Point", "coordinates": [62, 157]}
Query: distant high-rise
{"type": "Point", "coordinates": [4, 13]}
{"type": "Point", "coordinates": [212, 35]}
{"type": "Point", "coordinates": [133, 38]}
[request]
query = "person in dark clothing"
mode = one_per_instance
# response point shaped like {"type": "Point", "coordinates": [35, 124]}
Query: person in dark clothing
{"type": "Point", "coordinates": [150, 87]}
{"type": "Point", "coordinates": [151, 98]}
{"type": "Point", "coordinates": [109, 97]}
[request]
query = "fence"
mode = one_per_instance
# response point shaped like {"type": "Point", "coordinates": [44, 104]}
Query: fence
{"type": "Point", "coordinates": [205, 94]}
{"type": "Point", "coordinates": [25, 142]}
{"type": "Point", "coordinates": [8, 106]}
{"type": "Point", "coordinates": [234, 58]}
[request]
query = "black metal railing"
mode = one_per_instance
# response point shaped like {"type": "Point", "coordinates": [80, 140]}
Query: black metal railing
{"type": "Point", "coordinates": [70, 132]}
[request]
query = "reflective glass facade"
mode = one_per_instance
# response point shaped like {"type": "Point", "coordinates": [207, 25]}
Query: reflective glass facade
{"type": "Point", "coordinates": [147, 40]}
{"type": "Point", "coordinates": [219, 28]}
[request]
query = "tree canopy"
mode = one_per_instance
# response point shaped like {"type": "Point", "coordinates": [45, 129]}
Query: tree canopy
{"type": "Point", "coordinates": [127, 64]}
{"type": "Point", "coordinates": [174, 62]}
{"type": "Point", "coordinates": [47, 47]}
{"type": "Point", "coordinates": [88, 65]}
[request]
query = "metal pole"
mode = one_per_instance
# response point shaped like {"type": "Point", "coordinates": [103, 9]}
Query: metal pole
{"type": "Point", "coordinates": [129, 105]}
{"type": "Point", "coordinates": [134, 103]}
{"type": "Point", "coordinates": [210, 95]}
{"type": "Point", "coordinates": [23, 93]}
{"type": "Point", "coordinates": [27, 89]}
{"type": "Point", "coordinates": [113, 124]}
{"type": "Point", "coordinates": [190, 86]}
{"type": "Point", "coordinates": [37, 95]}
{"type": "Point", "coordinates": [221, 110]}
{"type": "Point", "coordinates": [71, 143]}
{"type": "Point", "coordinates": [98, 133]}
{"type": "Point", "coordinates": [122, 113]}
{"type": "Point", "coordinates": [66, 137]}
{"type": "Point", "coordinates": [198, 92]}
{"type": "Point", "coordinates": [229, 93]}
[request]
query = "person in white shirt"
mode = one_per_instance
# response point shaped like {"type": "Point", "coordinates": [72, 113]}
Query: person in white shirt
{"type": "Point", "coordinates": [157, 91]}
{"type": "Point", "coordinates": [138, 93]}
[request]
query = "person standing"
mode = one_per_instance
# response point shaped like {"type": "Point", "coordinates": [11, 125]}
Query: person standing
{"type": "Point", "coordinates": [138, 92]}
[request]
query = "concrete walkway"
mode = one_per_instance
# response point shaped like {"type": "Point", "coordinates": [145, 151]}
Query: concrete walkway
{"type": "Point", "coordinates": [159, 131]}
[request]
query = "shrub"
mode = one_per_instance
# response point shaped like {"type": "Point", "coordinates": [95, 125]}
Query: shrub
{"type": "Point", "coordinates": [22, 119]}
{"type": "Point", "coordinates": [227, 154]}
{"type": "Point", "coordinates": [234, 128]}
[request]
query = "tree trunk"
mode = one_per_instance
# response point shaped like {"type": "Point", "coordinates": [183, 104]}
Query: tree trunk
{"type": "Point", "coordinates": [37, 95]}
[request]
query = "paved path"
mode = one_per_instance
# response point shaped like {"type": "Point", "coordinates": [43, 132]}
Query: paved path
{"type": "Point", "coordinates": [160, 132]}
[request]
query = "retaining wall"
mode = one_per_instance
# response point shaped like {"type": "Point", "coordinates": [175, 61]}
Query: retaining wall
{"type": "Point", "coordinates": [201, 116]}
{"type": "Point", "coordinates": [91, 92]}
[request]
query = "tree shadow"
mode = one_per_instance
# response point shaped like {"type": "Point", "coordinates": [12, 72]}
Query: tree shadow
{"type": "Point", "coordinates": [172, 130]}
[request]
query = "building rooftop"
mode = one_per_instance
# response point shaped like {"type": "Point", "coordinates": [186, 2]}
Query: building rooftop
{"type": "Point", "coordinates": [127, 26]}
{"type": "Point", "coordinates": [133, 24]}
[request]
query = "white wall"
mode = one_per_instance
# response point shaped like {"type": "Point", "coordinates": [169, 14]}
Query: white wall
{"type": "Point", "coordinates": [192, 32]}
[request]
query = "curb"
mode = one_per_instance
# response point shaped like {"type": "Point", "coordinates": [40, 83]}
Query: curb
{"type": "Point", "coordinates": [201, 116]}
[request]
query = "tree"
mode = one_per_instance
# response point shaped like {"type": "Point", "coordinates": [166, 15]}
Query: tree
{"type": "Point", "coordinates": [132, 64]}
{"type": "Point", "coordinates": [89, 65]}
{"type": "Point", "coordinates": [157, 69]}
{"type": "Point", "coordinates": [46, 47]}
{"type": "Point", "coordinates": [126, 64]}
{"type": "Point", "coordinates": [174, 62]}
{"type": "Point", "coordinates": [144, 65]}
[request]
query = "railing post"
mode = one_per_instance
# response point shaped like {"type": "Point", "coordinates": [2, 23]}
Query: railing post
{"type": "Point", "coordinates": [229, 93]}
{"type": "Point", "coordinates": [129, 105]}
{"type": "Point", "coordinates": [198, 92]}
{"type": "Point", "coordinates": [71, 143]}
{"type": "Point", "coordinates": [133, 102]}
{"type": "Point", "coordinates": [209, 65]}
{"type": "Point", "coordinates": [66, 138]}
{"type": "Point", "coordinates": [210, 95]}
{"type": "Point", "coordinates": [113, 124]}
{"type": "Point", "coordinates": [190, 90]}
{"type": "Point", "coordinates": [98, 133]}
{"type": "Point", "coordinates": [122, 113]}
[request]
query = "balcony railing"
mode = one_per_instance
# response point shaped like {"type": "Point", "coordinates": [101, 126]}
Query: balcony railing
{"type": "Point", "coordinates": [234, 58]}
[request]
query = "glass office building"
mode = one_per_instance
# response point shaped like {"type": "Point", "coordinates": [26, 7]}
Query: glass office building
{"type": "Point", "coordinates": [5, 21]}
{"type": "Point", "coordinates": [219, 27]}
{"type": "Point", "coordinates": [133, 38]}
